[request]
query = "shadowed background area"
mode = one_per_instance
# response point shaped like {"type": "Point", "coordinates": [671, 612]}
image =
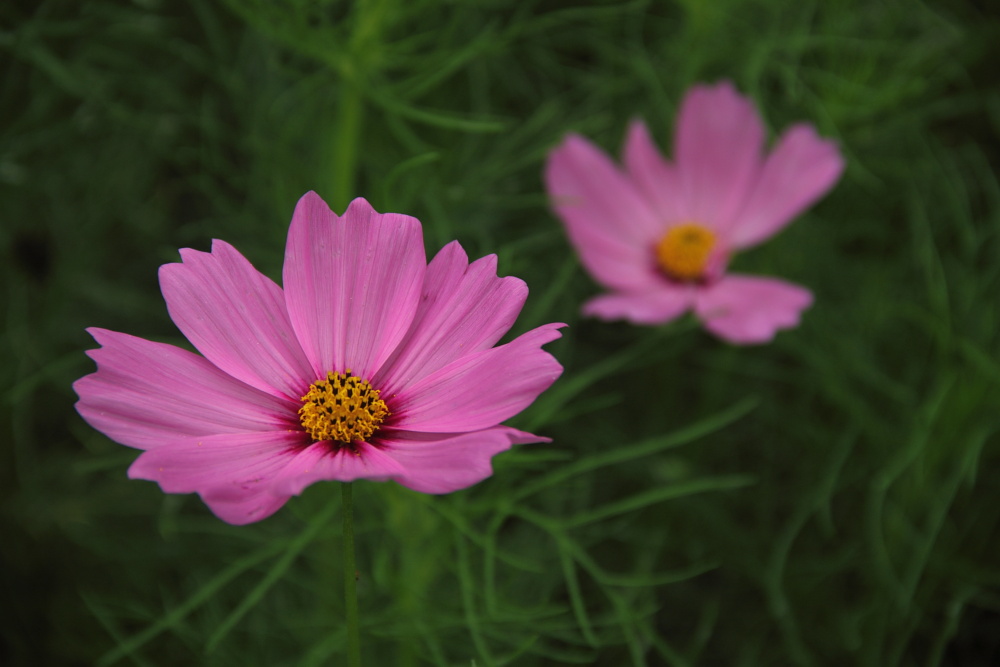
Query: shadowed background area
{"type": "Point", "coordinates": [828, 499]}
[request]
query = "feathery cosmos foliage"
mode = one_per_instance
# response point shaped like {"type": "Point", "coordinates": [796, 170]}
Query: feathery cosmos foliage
{"type": "Point", "coordinates": [659, 235]}
{"type": "Point", "coordinates": [369, 364]}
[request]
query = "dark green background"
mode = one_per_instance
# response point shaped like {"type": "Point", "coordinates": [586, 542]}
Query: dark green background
{"type": "Point", "coordinates": [835, 501]}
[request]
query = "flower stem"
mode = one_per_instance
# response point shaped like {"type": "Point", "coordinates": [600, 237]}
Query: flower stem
{"type": "Point", "coordinates": [346, 157]}
{"type": "Point", "coordinates": [350, 581]}
{"type": "Point", "coordinates": [361, 65]}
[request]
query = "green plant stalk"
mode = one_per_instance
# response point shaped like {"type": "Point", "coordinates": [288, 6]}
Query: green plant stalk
{"type": "Point", "coordinates": [350, 581]}
{"type": "Point", "coordinates": [348, 133]}
{"type": "Point", "coordinates": [363, 54]}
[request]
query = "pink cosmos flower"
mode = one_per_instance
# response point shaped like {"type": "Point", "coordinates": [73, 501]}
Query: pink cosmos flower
{"type": "Point", "coordinates": [369, 364]}
{"type": "Point", "coordinates": [659, 235]}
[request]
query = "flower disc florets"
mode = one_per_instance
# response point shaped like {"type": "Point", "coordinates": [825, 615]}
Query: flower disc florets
{"type": "Point", "coordinates": [684, 251]}
{"type": "Point", "coordinates": [342, 408]}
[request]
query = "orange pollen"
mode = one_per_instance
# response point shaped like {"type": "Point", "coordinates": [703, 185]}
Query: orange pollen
{"type": "Point", "coordinates": [342, 408]}
{"type": "Point", "coordinates": [684, 251]}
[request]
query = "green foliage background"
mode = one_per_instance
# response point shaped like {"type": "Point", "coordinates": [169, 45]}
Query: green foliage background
{"type": "Point", "coordinates": [829, 499]}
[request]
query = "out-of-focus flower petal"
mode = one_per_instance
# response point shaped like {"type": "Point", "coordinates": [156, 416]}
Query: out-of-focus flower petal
{"type": "Point", "coordinates": [480, 390]}
{"type": "Point", "coordinates": [464, 308]}
{"type": "Point", "coordinates": [147, 394]}
{"type": "Point", "coordinates": [609, 223]}
{"type": "Point", "coordinates": [352, 283]}
{"type": "Point", "coordinates": [236, 317]}
{"type": "Point", "coordinates": [655, 177]}
{"type": "Point", "coordinates": [801, 169]}
{"type": "Point", "coordinates": [718, 144]}
{"type": "Point", "coordinates": [657, 306]}
{"type": "Point", "coordinates": [748, 310]}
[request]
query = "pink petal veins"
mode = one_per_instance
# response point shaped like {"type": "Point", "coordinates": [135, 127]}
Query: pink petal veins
{"type": "Point", "coordinates": [320, 462]}
{"type": "Point", "coordinates": [233, 473]}
{"type": "Point", "coordinates": [236, 317]}
{"type": "Point", "coordinates": [442, 463]}
{"type": "Point", "coordinates": [147, 394]}
{"type": "Point", "coordinates": [480, 390]}
{"type": "Point", "coordinates": [464, 308]}
{"type": "Point", "coordinates": [352, 283]}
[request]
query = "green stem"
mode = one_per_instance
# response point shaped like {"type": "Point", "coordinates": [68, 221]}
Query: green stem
{"type": "Point", "coordinates": [350, 581]}
{"type": "Point", "coordinates": [348, 134]}
{"type": "Point", "coordinates": [360, 65]}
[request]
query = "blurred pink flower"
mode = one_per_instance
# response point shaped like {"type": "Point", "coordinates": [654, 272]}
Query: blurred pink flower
{"type": "Point", "coordinates": [369, 364]}
{"type": "Point", "coordinates": [659, 235]}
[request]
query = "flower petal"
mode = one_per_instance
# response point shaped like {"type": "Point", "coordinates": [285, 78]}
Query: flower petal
{"type": "Point", "coordinates": [801, 169]}
{"type": "Point", "coordinates": [463, 309]}
{"type": "Point", "coordinates": [655, 177]}
{"type": "Point", "coordinates": [479, 390]}
{"type": "Point", "coordinates": [241, 510]}
{"type": "Point", "coordinates": [657, 306]}
{"type": "Point", "coordinates": [748, 309]}
{"type": "Point", "coordinates": [147, 394]}
{"type": "Point", "coordinates": [236, 317]}
{"type": "Point", "coordinates": [352, 283]}
{"type": "Point", "coordinates": [718, 143]}
{"type": "Point", "coordinates": [233, 473]}
{"type": "Point", "coordinates": [320, 462]}
{"type": "Point", "coordinates": [609, 223]}
{"type": "Point", "coordinates": [436, 463]}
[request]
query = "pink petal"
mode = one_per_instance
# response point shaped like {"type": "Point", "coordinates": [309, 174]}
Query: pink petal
{"type": "Point", "coordinates": [234, 473]}
{"type": "Point", "coordinates": [236, 317]}
{"type": "Point", "coordinates": [657, 306]}
{"type": "Point", "coordinates": [434, 463]}
{"type": "Point", "coordinates": [718, 144]}
{"type": "Point", "coordinates": [609, 223]}
{"type": "Point", "coordinates": [463, 309]}
{"type": "Point", "coordinates": [241, 510]}
{"type": "Point", "coordinates": [320, 462]}
{"type": "Point", "coordinates": [800, 170]}
{"type": "Point", "coordinates": [479, 390]}
{"type": "Point", "coordinates": [747, 309]}
{"type": "Point", "coordinates": [655, 177]}
{"type": "Point", "coordinates": [147, 394]}
{"type": "Point", "coordinates": [352, 283]}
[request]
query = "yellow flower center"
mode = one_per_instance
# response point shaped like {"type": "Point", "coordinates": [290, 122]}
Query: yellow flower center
{"type": "Point", "coordinates": [684, 251]}
{"type": "Point", "coordinates": [342, 408]}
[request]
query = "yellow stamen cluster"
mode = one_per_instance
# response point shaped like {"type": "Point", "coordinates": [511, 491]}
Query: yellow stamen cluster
{"type": "Point", "coordinates": [684, 251]}
{"type": "Point", "coordinates": [342, 408]}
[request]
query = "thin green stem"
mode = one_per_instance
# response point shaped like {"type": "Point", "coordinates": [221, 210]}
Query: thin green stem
{"type": "Point", "coordinates": [350, 581]}
{"type": "Point", "coordinates": [363, 57]}
{"type": "Point", "coordinates": [347, 137]}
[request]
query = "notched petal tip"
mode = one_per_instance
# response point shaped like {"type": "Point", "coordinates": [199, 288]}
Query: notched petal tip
{"type": "Point", "coordinates": [360, 206]}
{"type": "Point", "coordinates": [311, 208]}
{"type": "Point", "coordinates": [312, 198]}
